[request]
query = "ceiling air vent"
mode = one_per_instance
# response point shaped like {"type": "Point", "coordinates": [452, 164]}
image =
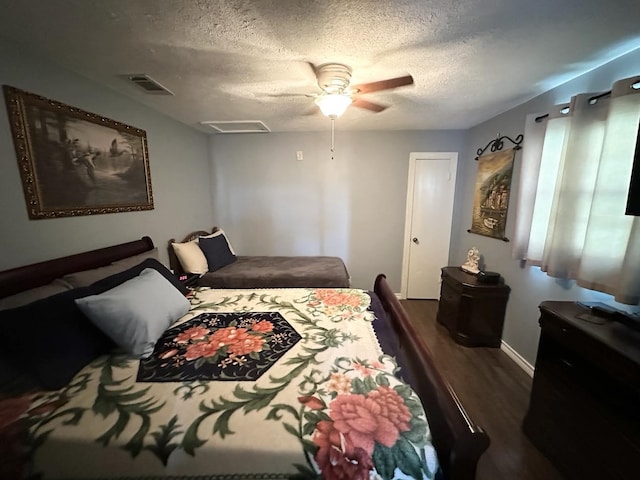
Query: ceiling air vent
{"type": "Point", "coordinates": [237, 126]}
{"type": "Point", "coordinates": [149, 85]}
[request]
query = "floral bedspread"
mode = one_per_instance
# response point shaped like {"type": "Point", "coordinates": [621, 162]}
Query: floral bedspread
{"type": "Point", "coordinates": [281, 383]}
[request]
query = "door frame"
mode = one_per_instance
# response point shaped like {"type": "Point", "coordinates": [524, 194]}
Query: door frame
{"type": "Point", "coordinates": [413, 157]}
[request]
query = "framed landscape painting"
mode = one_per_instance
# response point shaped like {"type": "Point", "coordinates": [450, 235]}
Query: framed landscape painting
{"type": "Point", "coordinates": [74, 162]}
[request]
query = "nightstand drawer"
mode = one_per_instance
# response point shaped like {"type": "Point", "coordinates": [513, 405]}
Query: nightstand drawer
{"type": "Point", "coordinates": [450, 293]}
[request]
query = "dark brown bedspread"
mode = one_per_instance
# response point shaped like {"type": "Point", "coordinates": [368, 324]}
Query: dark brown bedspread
{"type": "Point", "coordinates": [279, 272]}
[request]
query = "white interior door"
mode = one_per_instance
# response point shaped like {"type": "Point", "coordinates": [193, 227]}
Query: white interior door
{"type": "Point", "coordinates": [430, 194]}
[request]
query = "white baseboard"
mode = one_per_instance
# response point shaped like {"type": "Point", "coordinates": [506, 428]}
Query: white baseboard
{"type": "Point", "coordinates": [516, 357]}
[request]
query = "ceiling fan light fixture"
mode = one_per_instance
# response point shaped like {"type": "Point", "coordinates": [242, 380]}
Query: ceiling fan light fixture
{"type": "Point", "coordinates": [333, 104]}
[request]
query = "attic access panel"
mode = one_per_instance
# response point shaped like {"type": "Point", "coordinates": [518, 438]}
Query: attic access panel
{"type": "Point", "coordinates": [237, 126]}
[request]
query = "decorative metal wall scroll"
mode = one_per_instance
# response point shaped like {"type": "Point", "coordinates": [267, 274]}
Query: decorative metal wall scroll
{"type": "Point", "coordinates": [497, 144]}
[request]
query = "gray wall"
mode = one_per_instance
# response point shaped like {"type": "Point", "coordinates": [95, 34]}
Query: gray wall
{"type": "Point", "coordinates": [269, 203]}
{"type": "Point", "coordinates": [352, 206]}
{"type": "Point", "coordinates": [529, 286]}
{"type": "Point", "coordinates": [179, 165]}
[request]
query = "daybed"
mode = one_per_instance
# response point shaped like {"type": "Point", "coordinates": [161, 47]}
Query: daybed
{"type": "Point", "coordinates": [268, 271]}
{"type": "Point", "coordinates": [274, 383]}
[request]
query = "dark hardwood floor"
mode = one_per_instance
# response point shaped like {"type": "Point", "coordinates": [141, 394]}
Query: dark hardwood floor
{"type": "Point", "coordinates": [495, 393]}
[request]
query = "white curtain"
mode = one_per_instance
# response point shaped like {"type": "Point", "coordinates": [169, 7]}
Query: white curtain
{"type": "Point", "coordinates": [576, 169]}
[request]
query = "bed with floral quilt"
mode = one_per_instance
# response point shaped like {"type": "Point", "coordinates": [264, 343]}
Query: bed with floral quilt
{"type": "Point", "coordinates": [253, 384]}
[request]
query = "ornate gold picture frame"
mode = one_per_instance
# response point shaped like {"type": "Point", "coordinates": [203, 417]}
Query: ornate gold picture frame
{"type": "Point", "coordinates": [74, 162]}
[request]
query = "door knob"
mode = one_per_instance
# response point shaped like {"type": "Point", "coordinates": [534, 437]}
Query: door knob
{"type": "Point", "coordinates": [415, 240]}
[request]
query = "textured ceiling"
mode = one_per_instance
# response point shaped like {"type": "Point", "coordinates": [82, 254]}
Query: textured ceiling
{"type": "Point", "coordinates": [234, 59]}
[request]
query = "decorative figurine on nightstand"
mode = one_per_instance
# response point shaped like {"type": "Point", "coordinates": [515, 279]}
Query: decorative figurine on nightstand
{"type": "Point", "coordinates": [471, 265]}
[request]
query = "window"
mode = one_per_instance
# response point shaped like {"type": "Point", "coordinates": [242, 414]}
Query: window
{"type": "Point", "coordinates": [576, 168]}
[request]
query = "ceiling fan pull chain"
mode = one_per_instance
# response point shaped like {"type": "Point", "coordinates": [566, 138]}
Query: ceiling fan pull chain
{"type": "Point", "coordinates": [333, 121]}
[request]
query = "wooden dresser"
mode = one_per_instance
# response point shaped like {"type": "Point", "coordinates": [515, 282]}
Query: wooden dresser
{"type": "Point", "coordinates": [584, 412]}
{"type": "Point", "coordinates": [473, 312]}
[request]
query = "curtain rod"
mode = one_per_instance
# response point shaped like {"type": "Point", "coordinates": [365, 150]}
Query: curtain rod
{"type": "Point", "coordinates": [591, 99]}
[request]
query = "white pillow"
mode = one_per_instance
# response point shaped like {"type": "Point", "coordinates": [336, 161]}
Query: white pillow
{"type": "Point", "coordinates": [191, 257]}
{"type": "Point", "coordinates": [136, 313]}
{"type": "Point", "coordinates": [218, 233]}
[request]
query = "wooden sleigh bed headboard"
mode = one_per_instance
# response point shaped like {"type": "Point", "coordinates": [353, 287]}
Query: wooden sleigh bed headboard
{"type": "Point", "coordinates": [35, 275]}
{"type": "Point", "coordinates": [459, 443]}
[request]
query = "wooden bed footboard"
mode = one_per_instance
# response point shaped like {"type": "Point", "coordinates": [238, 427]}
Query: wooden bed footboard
{"type": "Point", "coordinates": [458, 441]}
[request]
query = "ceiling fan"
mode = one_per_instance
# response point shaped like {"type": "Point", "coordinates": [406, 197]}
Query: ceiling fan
{"type": "Point", "coordinates": [334, 79]}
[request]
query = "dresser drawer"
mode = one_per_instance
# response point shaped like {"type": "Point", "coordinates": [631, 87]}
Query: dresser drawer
{"type": "Point", "coordinates": [575, 335]}
{"type": "Point", "coordinates": [567, 335]}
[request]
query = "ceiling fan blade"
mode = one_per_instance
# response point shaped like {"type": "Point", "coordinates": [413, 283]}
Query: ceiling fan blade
{"type": "Point", "coordinates": [313, 68]}
{"type": "Point", "coordinates": [312, 110]}
{"type": "Point", "coordinates": [374, 107]}
{"type": "Point", "coordinates": [278, 95]}
{"type": "Point", "coordinates": [384, 84]}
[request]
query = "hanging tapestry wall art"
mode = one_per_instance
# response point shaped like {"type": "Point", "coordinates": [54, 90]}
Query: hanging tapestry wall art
{"type": "Point", "coordinates": [491, 195]}
{"type": "Point", "coordinates": [74, 162]}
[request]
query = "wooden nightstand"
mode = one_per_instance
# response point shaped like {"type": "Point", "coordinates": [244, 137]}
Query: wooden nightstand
{"type": "Point", "coordinates": [473, 312]}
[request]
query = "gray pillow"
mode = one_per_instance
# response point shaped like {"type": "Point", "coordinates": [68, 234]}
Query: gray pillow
{"type": "Point", "coordinates": [137, 259]}
{"type": "Point", "coordinates": [85, 278]}
{"type": "Point", "coordinates": [136, 313]}
{"type": "Point", "coordinates": [38, 293]}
